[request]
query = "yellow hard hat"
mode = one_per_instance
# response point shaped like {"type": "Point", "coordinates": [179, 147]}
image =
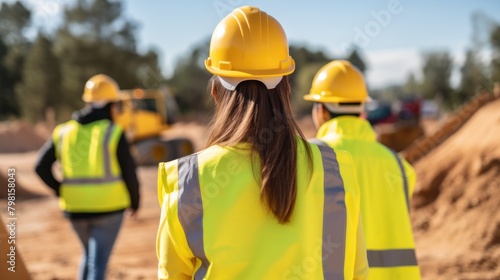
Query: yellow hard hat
{"type": "Point", "coordinates": [100, 88]}
{"type": "Point", "coordinates": [337, 82]}
{"type": "Point", "coordinates": [249, 44]}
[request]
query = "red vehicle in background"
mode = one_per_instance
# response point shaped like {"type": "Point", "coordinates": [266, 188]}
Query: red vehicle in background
{"type": "Point", "coordinates": [397, 125]}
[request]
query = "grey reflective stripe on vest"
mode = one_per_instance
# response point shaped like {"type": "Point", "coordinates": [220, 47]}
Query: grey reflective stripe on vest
{"type": "Point", "coordinates": [108, 175]}
{"type": "Point", "coordinates": [394, 257]}
{"type": "Point", "coordinates": [391, 258]}
{"type": "Point", "coordinates": [405, 179]}
{"type": "Point", "coordinates": [318, 142]}
{"type": "Point", "coordinates": [383, 258]}
{"type": "Point", "coordinates": [191, 210]}
{"type": "Point", "coordinates": [334, 217]}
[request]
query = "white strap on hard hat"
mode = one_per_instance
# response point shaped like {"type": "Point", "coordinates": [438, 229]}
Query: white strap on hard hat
{"type": "Point", "coordinates": [232, 83]}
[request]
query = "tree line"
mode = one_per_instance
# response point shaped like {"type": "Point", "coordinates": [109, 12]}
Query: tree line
{"type": "Point", "coordinates": [49, 70]}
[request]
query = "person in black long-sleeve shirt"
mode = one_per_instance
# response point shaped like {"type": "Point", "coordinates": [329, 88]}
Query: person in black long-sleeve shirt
{"type": "Point", "coordinates": [93, 195]}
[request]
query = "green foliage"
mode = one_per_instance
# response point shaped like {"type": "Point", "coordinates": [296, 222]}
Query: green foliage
{"type": "Point", "coordinates": [14, 19]}
{"type": "Point", "coordinates": [303, 80]}
{"type": "Point", "coordinates": [8, 105]}
{"type": "Point", "coordinates": [411, 86]}
{"type": "Point", "coordinates": [40, 87]}
{"type": "Point", "coordinates": [495, 38]}
{"type": "Point", "coordinates": [355, 58]}
{"type": "Point", "coordinates": [307, 63]}
{"type": "Point", "coordinates": [100, 21]}
{"type": "Point", "coordinates": [190, 80]}
{"type": "Point", "coordinates": [304, 56]}
{"type": "Point", "coordinates": [473, 78]}
{"type": "Point", "coordinates": [436, 77]}
{"type": "Point", "coordinates": [495, 61]}
{"type": "Point", "coordinates": [95, 38]}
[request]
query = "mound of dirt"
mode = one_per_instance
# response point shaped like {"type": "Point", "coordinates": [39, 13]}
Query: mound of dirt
{"type": "Point", "coordinates": [20, 137]}
{"type": "Point", "coordinates": [456, 202]}
{"type": "Point", "coordinates": [21, 193]}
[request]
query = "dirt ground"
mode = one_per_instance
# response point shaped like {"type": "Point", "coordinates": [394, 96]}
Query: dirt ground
{"type": "Point", "coordinates": [49, 247]}
{"type": "Point", "coordinates": [455, 208]}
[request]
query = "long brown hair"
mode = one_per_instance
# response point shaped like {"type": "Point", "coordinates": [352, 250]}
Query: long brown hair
{"type": "Point", "coordinates": [253, 114]}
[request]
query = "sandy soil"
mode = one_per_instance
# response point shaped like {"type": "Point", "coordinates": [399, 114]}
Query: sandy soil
{"type": "Point", "coordinates": [49, 246]}
{"type": "Point", "coordinates": [456, 202]}
{"type": "Point", "coordinates": [19, 136]}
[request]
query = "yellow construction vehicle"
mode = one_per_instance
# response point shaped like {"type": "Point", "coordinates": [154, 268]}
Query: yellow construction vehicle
{"type": "Point", "coordinates": [145, 115]}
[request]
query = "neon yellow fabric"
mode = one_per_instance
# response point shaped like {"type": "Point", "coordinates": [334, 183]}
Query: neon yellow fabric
{"type": "Point", "coordinates": [241, 239]}
{"type": "Point", "coordinates": [81, 151]}
{"type": "Point", "coordinates": [386, 222]}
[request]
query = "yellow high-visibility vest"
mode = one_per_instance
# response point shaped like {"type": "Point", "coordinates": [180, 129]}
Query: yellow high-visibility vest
{"type": "Point", "coordinates": [92, 179]}
{"type": "Point", "coordinates": [214, 226]}
{"type": "Point", "coordinates": [386, 184]}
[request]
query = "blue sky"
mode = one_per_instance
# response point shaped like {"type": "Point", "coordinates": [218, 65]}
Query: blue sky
{"type": "Point", "coordinates": [391, 33]}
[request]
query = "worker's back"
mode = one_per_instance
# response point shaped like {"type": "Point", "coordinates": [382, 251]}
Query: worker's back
{"type": "Point", "coordinates": [99, 175]}
{"type": "Point", "coordinates": [92, 176]}
{"type": "Point", "coordinates": [384, 200]}
{"type": "Point", "coordinates": [228, 234]}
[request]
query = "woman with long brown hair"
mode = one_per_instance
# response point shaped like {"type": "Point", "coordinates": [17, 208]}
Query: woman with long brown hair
{"type": "Point", "coordinates": [259, 202]}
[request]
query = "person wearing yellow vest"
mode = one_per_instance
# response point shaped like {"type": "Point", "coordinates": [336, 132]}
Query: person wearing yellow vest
{"type": "Point", "coordinates": [99, 175]}
{"type": "Point", "coordinates": [386, 180]}
{"type": "Point", "coordinates": [259, 202]}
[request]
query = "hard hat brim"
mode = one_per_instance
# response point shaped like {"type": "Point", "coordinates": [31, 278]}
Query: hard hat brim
{"type": "Point", "coordinates": [332, 99]}
{"type": "Point", "coordinates": [250, 73]}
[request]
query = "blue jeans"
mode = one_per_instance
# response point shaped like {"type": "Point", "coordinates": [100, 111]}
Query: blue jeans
{"type": "Point", "coordinates": [97, 234]}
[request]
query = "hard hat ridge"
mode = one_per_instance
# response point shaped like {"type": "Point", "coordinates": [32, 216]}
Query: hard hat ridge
{"type": "Point", "coordinates": [100, 88]}
{"type": "Point", "coordinates": [338, 82]}
{"type": "Point", "coordinates": [249, 44]}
